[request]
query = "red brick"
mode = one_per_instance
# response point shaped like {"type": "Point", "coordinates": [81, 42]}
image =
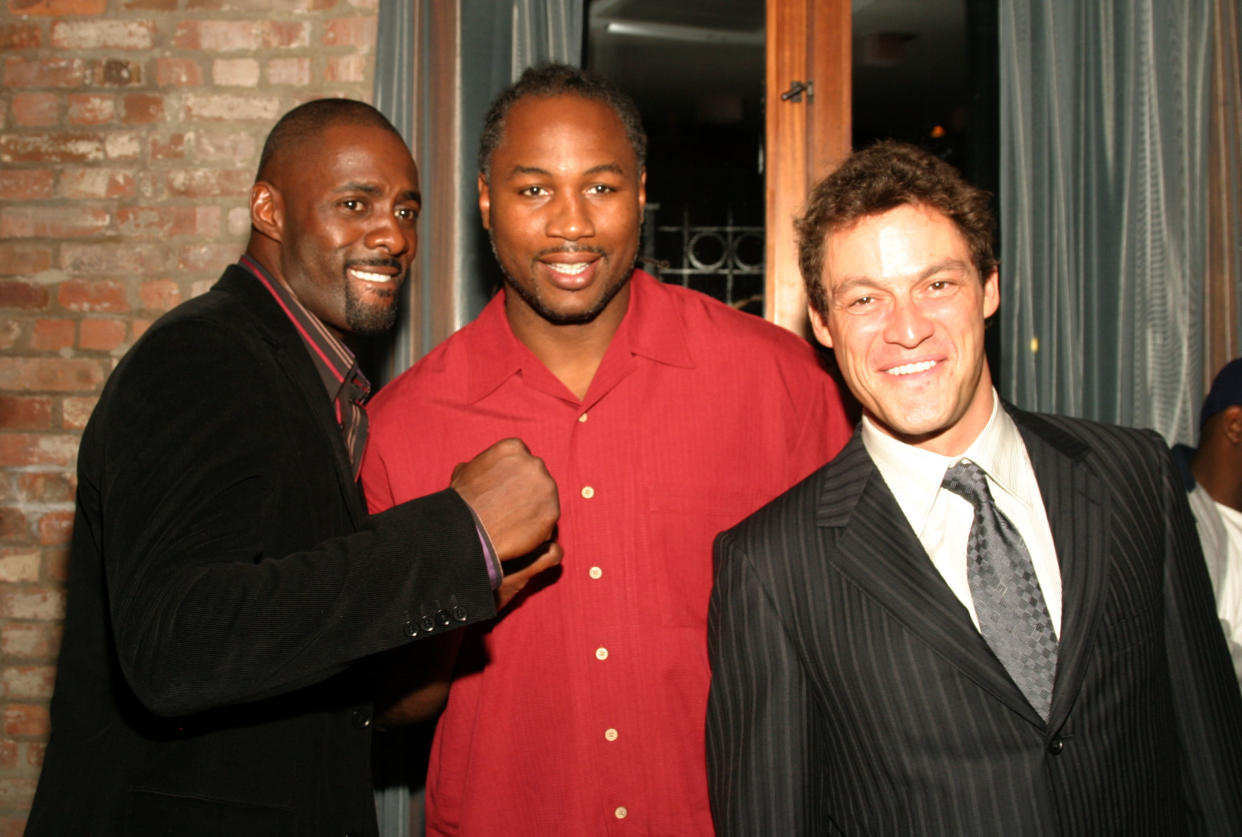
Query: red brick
{"type": "Point", "coordinates": [142, 108]}
{"type": "Point", "coordinates": [23, 259]}
{"type": "Point", "coordinates": [159, 295]}
{"type": "Point", "coordinates": [22, 294]}
{"type": "Point", "coordinates": [112, 258]}
{"type": "Point", "coordinates": [208, 183]}
{"type": "Point", "coordinates": [207, 257]}
{"type": "Point", "coordinates": [138, 327]}
{"type": "Point", "coordinates": [45, 487]}
{"type": "Point", "coordinates": [85, 295]}
{"type": "Point", "coordinates": [178, 72]}
{"type": "Point", "coordinates": [166, 222]}
{"type": "Point", "coordinates": [25, 719]}
{"type": "Point", "coordinates": [115, 72]}
{"type": "Point", "coordinates": [350, 31]}
{"type": "Point", "coordinates": [171, 147]}
{"type": "Point", "coordinates": [8, 754]}
{"type": "Point", "coordinates": [291, 71]}
{"type": "Point", "coordinates": [55, 528]}
{"type": "Point", "coordinates": [103, 34]}
{"type": "Point", "coordinates": [219, 35]}
{"type": "Point", "coordinates": [30, 602]}
{"type": "Point", "coordinates": [79, 183]}
{"type": "Point", "coordinates": [51, 148]}
{"type": "Point", "coordinates": [220, 106]}
{"type": "Point", "coordinates": [52, 335]}
{"type": "Point", "coordinates": [235, 72]}
{"type": "Point", "coordinates": [284, 34]}
{"type": "Point", "coordinates": [58, 7]}
{"type": "Point", "coordinates": [21, 449]}
{"type": "Point", "coordinates": [91, 108]}
{"type": "Point", "coordinates": [101, 335]}
{"type": "Point", "coordinates": [25, 412]}
{"type": "Point", "coordinates": [346, 68]}
{"type": "Point", "coordinates": [31, 641]}
{"type": "Point", "coordinates": [13, 524]}
{"type": "Point", "coordinates": [19, 565]}
{"type": "Point", "coordinates": [43, 72]}
{"type": "Point", "coordinates": [48, 374]}
{"type": "Point", "coordinates": [213, 146]}
{"type": "Point", "coordinates": [17, 791]}
{"type": "Point", "coordinates": [76, 410]}
{"type": "Point", "coordinates": [151, 5]}
{"type": "Point", "coordinates": [25, 184]}
{"type": "Point", "coordinates": [36, 110]}
{"type": "Point", "coordinates": [35, 751]}
{"type": "Point", "coordinates": [58, 221]}
{"type": "Point", "coordinates": [10, 330]}
{"type": "Point", "coordinates": [123, 146]}
{"type": "Point", "coordinates": [20, 36]}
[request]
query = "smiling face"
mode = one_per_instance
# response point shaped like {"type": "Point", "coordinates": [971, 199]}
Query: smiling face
{"type": "Point", "coordinates": [564, 206]}
{"type": "Point", "coordinates": [906, 311]}
{"type": "Point", "coordinates": [343, 211]}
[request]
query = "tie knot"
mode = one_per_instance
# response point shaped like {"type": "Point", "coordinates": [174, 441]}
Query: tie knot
{"type": "Point", "coordinates": [966, 479]}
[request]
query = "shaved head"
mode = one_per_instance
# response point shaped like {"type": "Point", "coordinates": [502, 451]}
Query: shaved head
{"type": "Point", "coordinates": [306, 123]}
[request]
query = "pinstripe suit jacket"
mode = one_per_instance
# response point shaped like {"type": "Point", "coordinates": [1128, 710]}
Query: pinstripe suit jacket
{"type": "Point", "coordinates": [852, 694]}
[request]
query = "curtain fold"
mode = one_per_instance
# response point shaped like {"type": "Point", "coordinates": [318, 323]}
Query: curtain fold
{"type": "Point", "coordinates": [437, 67]}
{"type": "Point", "coordinates": [1103, 206]}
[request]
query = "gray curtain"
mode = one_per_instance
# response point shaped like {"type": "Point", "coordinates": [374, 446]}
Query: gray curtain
{"type": "Point", "coordinates": [492, 42]}
{"type": "Point", "coordinates": [1104, 141]}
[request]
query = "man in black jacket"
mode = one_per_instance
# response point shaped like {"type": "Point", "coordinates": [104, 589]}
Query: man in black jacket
{"type": "Point", "coordinates": [228, 593]}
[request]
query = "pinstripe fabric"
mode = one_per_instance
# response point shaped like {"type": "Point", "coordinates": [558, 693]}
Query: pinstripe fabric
{"type": "Point", "coordinates": [852, 694]}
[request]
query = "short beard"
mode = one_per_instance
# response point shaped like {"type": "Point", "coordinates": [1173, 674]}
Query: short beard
{"type": "Point", "coordinates": [369, 319]}
{"type": "Point", "coordinates": [556, 317]}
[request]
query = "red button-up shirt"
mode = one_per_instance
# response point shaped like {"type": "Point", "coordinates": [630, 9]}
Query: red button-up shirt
{"type": "Point", "coordinates": [581, 710]}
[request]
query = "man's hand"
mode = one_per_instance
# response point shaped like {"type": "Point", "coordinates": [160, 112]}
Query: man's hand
{"type": "Point", "coordinates": [545, 556]}
{"type": "Point", "coordinates": [513, 496]}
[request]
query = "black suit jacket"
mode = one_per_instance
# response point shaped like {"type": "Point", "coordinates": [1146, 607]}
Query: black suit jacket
{"type": "Point", "coordinates": [224, 580]}
{"type": "Point", "coordinates": [852, 694]}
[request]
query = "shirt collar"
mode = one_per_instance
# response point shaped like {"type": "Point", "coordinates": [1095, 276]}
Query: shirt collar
{"type": "Point", "coordinates": [914, 475]}
{"type": "Point", "coordinates": [652, 327]}
{"type": "Point", "coordinates": [333, 359]}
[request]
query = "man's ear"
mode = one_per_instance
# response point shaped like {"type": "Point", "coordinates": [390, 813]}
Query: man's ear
{"type": "Point", "coordinates": [485, 202]}
{"type": "Point", "coordinates": [1233, 424]}
{"type": "Point", "coordinates": [818, 326]}
{"type": "Point", "coordinates": [267, 210]}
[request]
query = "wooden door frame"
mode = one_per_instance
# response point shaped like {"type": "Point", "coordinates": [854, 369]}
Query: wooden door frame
{"type": "Point", "coordinates": [808, 41]}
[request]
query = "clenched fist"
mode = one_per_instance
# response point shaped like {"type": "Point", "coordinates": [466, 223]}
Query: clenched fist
{"type": "Point", "coordinates": [513, 495]}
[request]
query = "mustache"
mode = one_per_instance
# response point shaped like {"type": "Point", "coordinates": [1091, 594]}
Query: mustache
{"type": "Point", "coordinates": [393, 263]}
{"type": "Point", "coordinates": [570, 248]}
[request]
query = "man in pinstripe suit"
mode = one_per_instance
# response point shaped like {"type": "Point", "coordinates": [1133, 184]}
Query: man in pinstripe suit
{"type": "Point", "coordinates": [854, 689]}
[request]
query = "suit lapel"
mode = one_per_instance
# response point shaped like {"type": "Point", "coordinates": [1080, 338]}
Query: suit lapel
{"type": "Point", "coordinates": [873, 544]}
{"type": "Point", "coordinates": [1076, 503]}
{"type": "Point", "coordinates": [293, 358]}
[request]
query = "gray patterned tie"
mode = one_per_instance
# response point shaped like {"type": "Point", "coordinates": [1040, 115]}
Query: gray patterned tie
{"type": "Point", "coordinates": [1012, 615]}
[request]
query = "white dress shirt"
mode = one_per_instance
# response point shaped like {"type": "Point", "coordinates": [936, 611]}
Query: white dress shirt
{"type": "Point", "coordinates": [942, 519]}
{"type": "Point", "coordinates": [1220, 533]}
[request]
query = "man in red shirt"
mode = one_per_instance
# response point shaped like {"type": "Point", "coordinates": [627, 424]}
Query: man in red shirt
{"type": "Point", "coordinates": [664, 417]}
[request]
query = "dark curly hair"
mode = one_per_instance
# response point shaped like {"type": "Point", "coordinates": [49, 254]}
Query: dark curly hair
{"type": "Point", "coordinates": [876, 179]}
{"type": "Point", "coordinates": [546, 81]}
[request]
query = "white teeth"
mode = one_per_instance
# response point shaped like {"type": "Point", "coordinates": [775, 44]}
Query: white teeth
{"type": "Point", "coordinates": [911, 368]}
{"type": "Point", "coordinates": [367, 276]}
{"type": "Point", "coordinates": [571, 268]}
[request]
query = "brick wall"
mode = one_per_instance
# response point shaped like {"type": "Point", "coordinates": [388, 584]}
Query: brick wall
{"type": "Point", "coordinates": [129, 135]}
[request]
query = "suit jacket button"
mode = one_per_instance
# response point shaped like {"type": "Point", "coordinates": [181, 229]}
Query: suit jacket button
{"type": "Point", "coordinates": [459, 613]}
{"type": "Point", "coordinates": [1056, 745]}
{"type": "Point", "coordinates": [411, 629]}
{"type": "Point", "coordinates": [427, 623]}
{"type": "Point", "coordinates": [361, 717]}
{"type": "Point", "coordinates": [442, 616]}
